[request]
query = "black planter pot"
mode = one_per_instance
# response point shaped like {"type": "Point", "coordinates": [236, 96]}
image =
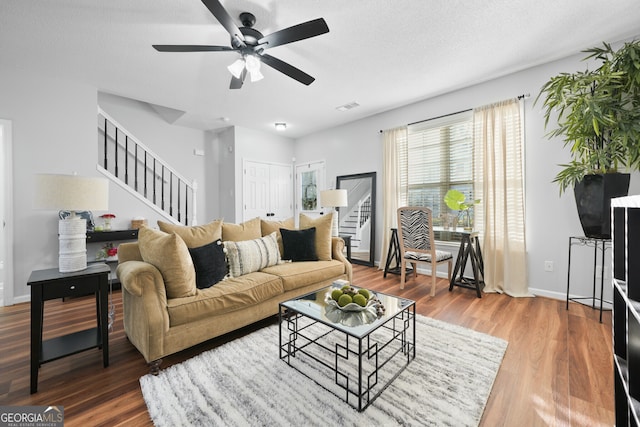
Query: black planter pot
{"type": "Point", "coordinates": [593, 199]}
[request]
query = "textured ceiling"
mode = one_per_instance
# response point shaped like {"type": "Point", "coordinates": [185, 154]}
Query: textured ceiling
{"type": "Point", "coordinates": [378, 53]}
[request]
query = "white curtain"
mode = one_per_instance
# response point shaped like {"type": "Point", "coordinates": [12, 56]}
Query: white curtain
{"type": "Point", "coordinates": [499, 181]}
{"type": "Point", "coordinates": [394, 141]}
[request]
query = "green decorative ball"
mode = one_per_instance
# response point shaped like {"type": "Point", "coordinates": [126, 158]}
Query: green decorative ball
{"type": "Point", "coordinates": [364, 293]}
{"type": "Point", "coordinates": [360, 300]}
{"type": "Point", "coordinates": [344, 300]}
{"type": "Point", "coordinates": [336, 294]}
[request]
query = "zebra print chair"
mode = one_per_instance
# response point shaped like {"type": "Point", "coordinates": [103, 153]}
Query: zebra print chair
{"type": "Point", "coordinates": [416, 237]}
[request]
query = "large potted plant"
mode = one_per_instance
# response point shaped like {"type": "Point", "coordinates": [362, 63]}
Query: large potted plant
{"type": "Point", "coordinates": [598, 116]}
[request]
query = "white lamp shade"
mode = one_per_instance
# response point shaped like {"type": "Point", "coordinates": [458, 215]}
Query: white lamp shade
{"type": "Point", "coordinates": [236, 68]}
{"type": "Point", "coordinates": [333, 198]}
{"type": "Point", "coordinates": [71, 192]}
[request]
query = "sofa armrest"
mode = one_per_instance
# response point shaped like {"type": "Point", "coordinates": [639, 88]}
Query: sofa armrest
{"type": "Point", "coordinates": [129, 252]}
{"type": "Point", "coordinates": [337, 248]}
{"type": "Point", "coordinates": [135, 276]}
{"type": "Point", "coordinates": [144, 301]}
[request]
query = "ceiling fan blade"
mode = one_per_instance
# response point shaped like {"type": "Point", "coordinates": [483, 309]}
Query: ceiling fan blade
{"type": "Point", "coordinates": [237, 83]}
{"type": "Point", "coordinates": [295, 33]}
{"type": "Point", "coordinates": [225, 19]}
{"type": "Point", "coordinates": [287, 69]}
{"type": "Point", "coordinates": [190, 48]}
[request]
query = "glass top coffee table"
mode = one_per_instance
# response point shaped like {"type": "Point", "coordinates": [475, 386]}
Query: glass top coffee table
{"type": "Point", "coordinates": [352, 354]}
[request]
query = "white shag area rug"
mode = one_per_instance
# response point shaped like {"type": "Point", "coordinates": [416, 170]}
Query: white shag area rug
{"type": "Point", "coordinates": [244, 383]}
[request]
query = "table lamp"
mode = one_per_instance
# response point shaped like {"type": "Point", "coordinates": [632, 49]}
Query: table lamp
{"type": "Point", "coordinates": [334, 199]}
{"type": "Point", "coordinates": [72, 193]}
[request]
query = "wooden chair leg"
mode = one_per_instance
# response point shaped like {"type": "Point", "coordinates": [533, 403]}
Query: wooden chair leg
{"type": "Point", "coordinates": [414, 265]}
{"type": "Point", "coordinates": [434, 274]}
{"type": "Point", "coordinates": [403, 265]}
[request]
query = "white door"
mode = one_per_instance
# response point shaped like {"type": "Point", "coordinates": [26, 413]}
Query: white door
{"type": "Point", "coordinates": [268, 191]}
{"type": "Point", "coordinates": [6, 203]}
{"type": "Point", "coordinates": [256, 190]}
{"type": "Point", "coordinates": [281, 192]}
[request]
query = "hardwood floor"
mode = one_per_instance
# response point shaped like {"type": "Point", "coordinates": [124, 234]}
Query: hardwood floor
{"type": "Point", "coordinates": [557, 369]}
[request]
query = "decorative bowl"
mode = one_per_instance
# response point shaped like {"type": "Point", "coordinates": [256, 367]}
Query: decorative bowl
{"type": "Point", "coordinates": [352, 306]}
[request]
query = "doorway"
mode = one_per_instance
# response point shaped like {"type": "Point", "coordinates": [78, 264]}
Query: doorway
{"type": "Point", "coordinates": [6, 217]}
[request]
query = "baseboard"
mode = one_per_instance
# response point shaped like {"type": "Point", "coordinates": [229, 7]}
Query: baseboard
{"type": "Point", "coordinates": [548, 294]}
{"type": "Point", "coordinates": [21, 299]}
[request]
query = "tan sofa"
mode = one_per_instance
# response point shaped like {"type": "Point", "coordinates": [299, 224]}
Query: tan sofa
{"type": "Point", "coordinates": [158, 325]}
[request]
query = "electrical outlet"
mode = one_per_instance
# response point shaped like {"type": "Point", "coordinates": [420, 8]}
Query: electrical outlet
{"type": "Point", "coordinates": [548, 266]}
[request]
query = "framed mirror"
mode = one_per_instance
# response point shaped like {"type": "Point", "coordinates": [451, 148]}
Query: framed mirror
{"type": "Point", "coordinates": [357, 221]}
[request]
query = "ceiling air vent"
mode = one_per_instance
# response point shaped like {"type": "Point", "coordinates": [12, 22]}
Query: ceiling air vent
{"type": "Point", "coordinates": [347, 107]}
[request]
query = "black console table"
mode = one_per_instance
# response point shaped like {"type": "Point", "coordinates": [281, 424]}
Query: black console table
{"type": "Point", "coordinates": [51, 284]}
{"type": "Point", "coordinates": [598, 245]}
{"type": "Point", "coordinates": [469, 251]}
{"type": "Point", "coordinates": [106, 236]}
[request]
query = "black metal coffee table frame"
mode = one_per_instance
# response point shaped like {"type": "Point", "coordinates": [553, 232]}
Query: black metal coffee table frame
{"type": "Point", "coordinates": [301, 336]}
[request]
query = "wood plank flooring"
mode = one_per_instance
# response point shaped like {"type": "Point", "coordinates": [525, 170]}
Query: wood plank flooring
{"type": "Point", "coordinates": [557, 369]}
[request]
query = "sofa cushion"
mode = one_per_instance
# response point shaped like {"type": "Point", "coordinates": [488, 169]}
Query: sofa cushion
{"type": "Point", "coordinates": [248, 230]}
{"type": "Point", "coordinates": [196, 235]}
{"type": "Point", "coordinates": [299, 245]}
{"type": "Point", "coordinates": [268, 227]}
{"type": "Point", "coordinates": [323, 226]}
{"type": "Point", "coordinates": [229, 295]}
{"type": "Point", "coordinates": [210, 263]}
{"type": "Point", "coordinates": [252, 255]}
{"type": "Point", "coordinates": [169, 254]}
{"type": "Point", "coordinates": [296, 275]}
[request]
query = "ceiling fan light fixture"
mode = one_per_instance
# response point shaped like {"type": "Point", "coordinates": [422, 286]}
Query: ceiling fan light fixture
{"type": "Point", "coordinates": [256, 75]}
{"type": "Point", "coordinates": [253, 63]}
{"type": "Point", "coordinates": [236, 68]}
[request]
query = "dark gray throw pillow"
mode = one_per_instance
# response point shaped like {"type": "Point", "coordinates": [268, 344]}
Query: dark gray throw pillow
{"type": "Point", "coordinates": [210, 264]}
{"type": "Point", "coordinates": [299, 245]}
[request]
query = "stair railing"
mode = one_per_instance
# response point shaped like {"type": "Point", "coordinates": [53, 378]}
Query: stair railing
{"type": "Point", "coordinates": [364, 214]}
{"type": "Point", "coordinates": [137, 169]}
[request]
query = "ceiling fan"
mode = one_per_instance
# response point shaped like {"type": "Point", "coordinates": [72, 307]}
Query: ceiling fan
{"type": "Point", "coordinates": [251, 44]}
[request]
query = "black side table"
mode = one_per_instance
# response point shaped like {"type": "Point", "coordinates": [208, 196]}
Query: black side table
{"type": "Point", "coordinates": [469, 251]}
{"type": "Point", "coordinates": [347, 244]}
{"type": "Point", "coordinates": [51, 284]}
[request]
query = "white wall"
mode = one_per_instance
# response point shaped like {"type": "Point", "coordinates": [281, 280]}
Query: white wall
{"type": "Point", "coordinates": [54, 131]}
{"type": "Point", "coordinates": [357, 147]}
{"type": "Point", "coordinates": [225, 142]}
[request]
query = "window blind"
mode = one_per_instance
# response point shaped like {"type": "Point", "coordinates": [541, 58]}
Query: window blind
{"type": "Point", "coordinates": [437, 156]}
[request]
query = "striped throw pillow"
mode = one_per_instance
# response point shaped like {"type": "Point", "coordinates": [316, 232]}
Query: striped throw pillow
{"type": "Point", "coordinates": [248, 256]}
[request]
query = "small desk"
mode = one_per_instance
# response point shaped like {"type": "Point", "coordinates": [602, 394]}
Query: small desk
{"type": "Point", "coordinates": [51, 284]}
{"type": "Point", "coordinates": [469, 250]}
{"type": "Point", "coordinates": [394, 254]}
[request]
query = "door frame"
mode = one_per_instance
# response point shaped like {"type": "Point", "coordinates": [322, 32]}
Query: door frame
{"type": "Point", "coordinates": [6, 207]}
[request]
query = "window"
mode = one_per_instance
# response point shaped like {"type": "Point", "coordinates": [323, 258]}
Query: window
{"type": "Point", "coordinates": [310, 181]}
{"type": "Point", "coordinates": [438, 157]}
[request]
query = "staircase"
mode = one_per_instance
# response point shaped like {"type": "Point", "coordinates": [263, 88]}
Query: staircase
{"type": "Point", "coordinates": [356, 220]}
{"type": "Point", "coordinates": [133, 166]}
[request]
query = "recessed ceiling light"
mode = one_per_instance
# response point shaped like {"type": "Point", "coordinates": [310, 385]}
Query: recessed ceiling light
{"type": "Point", "coordinates": [280, 126]}
{"type": "Point", "coordinates": [348, 106]}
